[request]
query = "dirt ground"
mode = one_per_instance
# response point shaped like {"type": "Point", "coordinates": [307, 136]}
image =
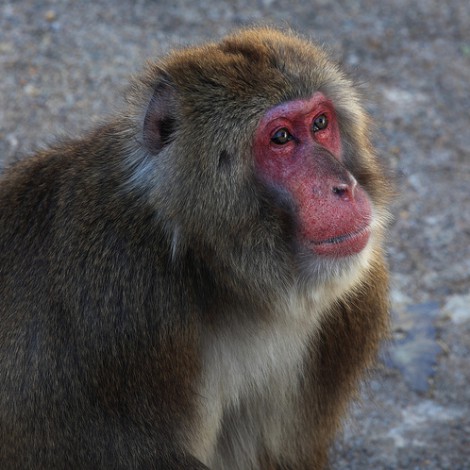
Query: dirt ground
{"type": "Point", "coordinates": [63, 65]}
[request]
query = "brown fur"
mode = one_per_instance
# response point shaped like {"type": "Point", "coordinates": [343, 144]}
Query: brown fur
{"type": "Point", "coordinates": [129, 256]}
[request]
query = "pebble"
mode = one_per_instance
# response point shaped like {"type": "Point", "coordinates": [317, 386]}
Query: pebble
{"type": "Point", "coordinates": [457, 308]}
{"type": "Point", "coordinates": [50, 16]}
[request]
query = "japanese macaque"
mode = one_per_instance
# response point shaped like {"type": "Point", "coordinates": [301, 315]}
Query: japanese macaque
{"type": "Point", "coordinates": [200, 283]}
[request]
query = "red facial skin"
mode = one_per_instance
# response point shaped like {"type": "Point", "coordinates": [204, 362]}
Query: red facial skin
{"type": "Point", "coordinates": [333, 211]}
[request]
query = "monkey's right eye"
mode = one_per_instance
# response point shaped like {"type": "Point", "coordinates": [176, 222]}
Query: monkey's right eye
{"type": "Point", "coordinates": [282, 136]}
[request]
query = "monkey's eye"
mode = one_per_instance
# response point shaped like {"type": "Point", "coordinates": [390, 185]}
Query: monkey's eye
{"type": "Point", "coordinates": [282, 136]}
{"type": "Point", "coordinates": [320, 123]}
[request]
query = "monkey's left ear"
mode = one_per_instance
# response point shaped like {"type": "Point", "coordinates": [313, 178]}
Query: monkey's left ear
{"type": "Point", "coordinates": [160, 120]}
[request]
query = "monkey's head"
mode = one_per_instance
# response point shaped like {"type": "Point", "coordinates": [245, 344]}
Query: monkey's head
{"type": "Point", "coordinates": [258, 146]}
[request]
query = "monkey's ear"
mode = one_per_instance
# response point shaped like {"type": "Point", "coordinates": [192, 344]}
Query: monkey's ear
{"type": "Point", "coordinates": [160, 120]}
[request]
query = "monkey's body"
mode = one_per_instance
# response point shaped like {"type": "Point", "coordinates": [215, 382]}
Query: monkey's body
{"type": "Point", "coordinates": [158, 307]}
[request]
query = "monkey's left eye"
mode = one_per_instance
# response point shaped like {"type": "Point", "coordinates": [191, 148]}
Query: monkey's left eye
{"type": "Point", "coordinates": [282, 136]}
{"type": "Point", "coordinates": [320, 123]}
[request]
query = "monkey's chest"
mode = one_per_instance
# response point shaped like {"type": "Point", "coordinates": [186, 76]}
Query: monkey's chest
{"type": "Point", "coordinates": [250, 357]}
{"type": "Point", "coordinates": [249, 387]}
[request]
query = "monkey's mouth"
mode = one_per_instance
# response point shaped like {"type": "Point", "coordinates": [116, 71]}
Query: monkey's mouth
{"type": "Point", "coordinates": [343, 245]}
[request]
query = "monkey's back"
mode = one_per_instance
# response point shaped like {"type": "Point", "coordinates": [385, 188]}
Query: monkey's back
{"type": "Point", "coordinates": [89, 299]}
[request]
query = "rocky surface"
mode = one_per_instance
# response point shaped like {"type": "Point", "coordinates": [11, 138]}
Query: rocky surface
{"type": "Point", "coordinates": [64, 65]}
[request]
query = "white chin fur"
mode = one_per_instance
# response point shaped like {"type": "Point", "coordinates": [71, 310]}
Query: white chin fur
{"type": "Point", "coordinates": [325, 280]}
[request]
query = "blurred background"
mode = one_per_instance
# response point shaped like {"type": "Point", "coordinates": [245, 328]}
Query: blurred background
{"type": "Point", "coordinates": [64, 65]}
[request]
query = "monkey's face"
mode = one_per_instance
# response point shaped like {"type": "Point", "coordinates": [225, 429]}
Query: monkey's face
{"type": "Point", "coordinates": [297, 150]}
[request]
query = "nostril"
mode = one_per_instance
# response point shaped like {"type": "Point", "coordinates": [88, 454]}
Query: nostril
{"type": "Point", "coordinates": [341, 190]}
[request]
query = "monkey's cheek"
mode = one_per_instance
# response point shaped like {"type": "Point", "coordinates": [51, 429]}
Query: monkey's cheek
{"type": "Point", "coordinates": [344, 245]}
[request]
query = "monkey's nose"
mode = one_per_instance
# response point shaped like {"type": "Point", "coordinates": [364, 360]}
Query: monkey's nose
{"type": "Point", "coordinates": [345, 191]}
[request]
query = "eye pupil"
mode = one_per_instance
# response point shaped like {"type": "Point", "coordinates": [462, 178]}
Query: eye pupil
{"type": "Point", "coordinates": [281, 137]}
{"type": "Point", "coordinates": [320, 123]}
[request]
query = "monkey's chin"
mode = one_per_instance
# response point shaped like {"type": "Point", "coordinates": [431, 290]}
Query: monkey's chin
{"type": "Point", "coordinates": [343, 245]}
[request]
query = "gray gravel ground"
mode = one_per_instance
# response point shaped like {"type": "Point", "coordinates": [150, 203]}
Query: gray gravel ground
{"type": "Point", "coordinates": [63, 65]}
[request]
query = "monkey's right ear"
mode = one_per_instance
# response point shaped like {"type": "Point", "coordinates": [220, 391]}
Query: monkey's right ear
{"type": "Point", "coordinates": [160, 120]}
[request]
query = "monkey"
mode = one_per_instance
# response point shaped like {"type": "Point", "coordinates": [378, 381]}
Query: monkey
{"type": "Point", "coordinates": [200, 282]}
